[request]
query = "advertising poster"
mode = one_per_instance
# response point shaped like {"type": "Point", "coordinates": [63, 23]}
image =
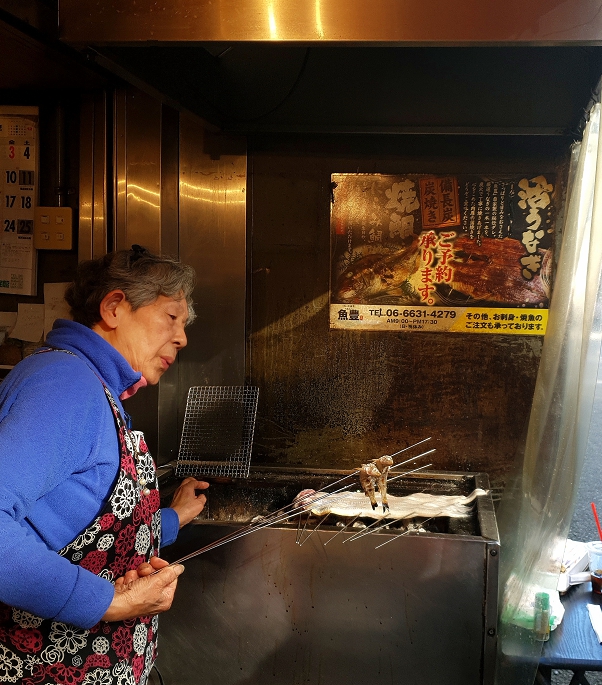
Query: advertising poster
{"type": "Point", "coordinates": [18, 199]}
{"type": "Point", "coordinates": [469, 254]}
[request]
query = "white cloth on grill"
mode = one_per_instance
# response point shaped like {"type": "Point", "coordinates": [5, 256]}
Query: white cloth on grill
{"type": "Point", "coordinates": [419, 504]}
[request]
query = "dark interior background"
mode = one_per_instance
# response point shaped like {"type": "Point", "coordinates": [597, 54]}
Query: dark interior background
{"type": "Point", "coordinates": [266, 87]}
{"type": "Point", "coordinates": [329, 398]}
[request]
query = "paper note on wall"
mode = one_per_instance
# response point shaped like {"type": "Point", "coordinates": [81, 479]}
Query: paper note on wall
{"type": "Point", "coordinates": [7, 323]}
{"type": "Point", "coordinates": [8, 320]}
{"type": "Point", "coordinates": [55, 306]}
{"type": "Point", "coordinates": [30, 323]}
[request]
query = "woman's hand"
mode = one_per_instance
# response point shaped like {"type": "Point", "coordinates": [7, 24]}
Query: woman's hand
{"type": "Point", "coordinates": [145, 569]}
{"type": "Point", "coordinates": [186, 502]}
{"type": "Point", "coordinates": [139, 593]}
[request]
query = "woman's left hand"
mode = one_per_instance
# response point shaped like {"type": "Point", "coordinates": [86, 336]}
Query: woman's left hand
{"type": "Point", "coordinates": [146, 568]}
{"type": "Point", "coordinates": [186, 503]}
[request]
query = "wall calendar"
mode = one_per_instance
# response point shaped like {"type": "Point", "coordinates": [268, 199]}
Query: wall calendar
{"type": "Point", "coordinates": [18, 199]}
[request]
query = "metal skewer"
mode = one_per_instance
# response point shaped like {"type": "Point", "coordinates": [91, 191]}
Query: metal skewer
{"type": "Point", "coordinates": [353, 520]}
{"type": "Point", "coordinates": [252, 528]}
{"type": "Point", "coordinates": [276, 519]}
{"type": "Point", "coordinates": [298, 529]}
{"type": "Point", "coordinates": [365, 531]}
{"type": "Point", "coordinates": [405, 449]}
{"type": "Point", "coordinates": [400, 535]}
{"type": "Point", "coordinates": [384, 525]}
{"type": "Point", "coordinates": [313, 531]}
{"type": "Point", "coordinates": [304, 526]}
{"type": "Point", "coordinates": [281, 515]}
{"type": "Point", "coordinates": [401, 475]}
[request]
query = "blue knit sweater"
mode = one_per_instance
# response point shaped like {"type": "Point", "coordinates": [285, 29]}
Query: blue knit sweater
{"type": "Point", "coordinates": [59, 457]}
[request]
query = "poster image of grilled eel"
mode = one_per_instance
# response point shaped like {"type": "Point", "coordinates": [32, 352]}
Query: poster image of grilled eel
{"type": "Point", "coordinates": [488, 270]}
{"type": "Point", "coordinates": [491, 271]}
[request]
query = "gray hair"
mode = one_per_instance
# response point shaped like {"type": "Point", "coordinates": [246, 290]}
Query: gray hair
{"type": "Point", "coordinates": [141, 275]}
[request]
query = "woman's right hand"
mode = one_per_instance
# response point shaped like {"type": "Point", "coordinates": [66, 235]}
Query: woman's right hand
{"type": "Point", "coordinates": [140, 593]}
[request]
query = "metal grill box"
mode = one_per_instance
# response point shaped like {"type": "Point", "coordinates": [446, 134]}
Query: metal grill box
{"type": "Point", "coordinates": [422, 609]}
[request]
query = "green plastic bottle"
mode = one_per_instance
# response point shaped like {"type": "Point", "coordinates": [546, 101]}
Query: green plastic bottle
{"type": "Point", "coordinates": [542, 616]}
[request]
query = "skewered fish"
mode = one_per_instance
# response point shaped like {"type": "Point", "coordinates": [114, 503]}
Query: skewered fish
{"type": "Point", "coordinates": [417, 505]}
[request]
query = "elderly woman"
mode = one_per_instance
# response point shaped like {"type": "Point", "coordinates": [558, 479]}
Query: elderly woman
{"type": "Point", "coordinates": [80, 523]}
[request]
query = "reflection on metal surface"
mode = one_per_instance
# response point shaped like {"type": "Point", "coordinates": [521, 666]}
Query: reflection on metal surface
{"type": "Point", "coordinates": [145, 167]}
{"type": "Point", "coordinates": [92, 235]}
{"type": "Point", "coordinates": [174, 197]}
{"type": "Point", "coordinates": [85, 180]}
{"type": "Point", "coordinates": [211, 194]}
{"type": "Point", "coordinates": [119, 159]}
{"type": "Point", "coordinates": [381, 21]}
{"type": "Point", "coordinates": [319, 27]}
{"type": "Point", "coordinates": [140, 194]}
{"type": "Point", "coordinates": [213, 240]}
{"type": "Point", "coordinates": [137, 206]}
{"type": "Point", "coordinates": [138, 170]}
{"type": "Point", "coordinates": [272, 22]}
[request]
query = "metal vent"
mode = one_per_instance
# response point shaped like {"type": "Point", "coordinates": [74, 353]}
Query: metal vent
{"type": "Point", "coordinates": [217, 436]}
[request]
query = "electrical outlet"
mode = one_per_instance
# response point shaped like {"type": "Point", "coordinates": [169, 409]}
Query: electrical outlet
{"type": "Point", "coordinates": [53, 228]}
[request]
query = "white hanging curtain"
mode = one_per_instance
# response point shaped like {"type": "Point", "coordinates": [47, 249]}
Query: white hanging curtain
{"type": "Point", "coordinates": [537, 506]}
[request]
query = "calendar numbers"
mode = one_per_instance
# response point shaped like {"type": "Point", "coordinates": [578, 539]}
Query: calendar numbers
{"type": "Point", "coordinates": [18, 199]}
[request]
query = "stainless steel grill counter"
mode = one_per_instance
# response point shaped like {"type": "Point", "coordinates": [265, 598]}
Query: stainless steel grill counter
{"type": "Point", "coordinates": [291, 603]}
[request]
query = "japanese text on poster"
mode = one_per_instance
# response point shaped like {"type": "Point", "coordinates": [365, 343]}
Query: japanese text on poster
{"type": "Point", "coordinates": [466, 254]}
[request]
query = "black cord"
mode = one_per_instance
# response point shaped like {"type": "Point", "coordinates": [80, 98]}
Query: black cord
{"type": "Point", "coordinates": [284, 99]}
{"type": "Point", "coordinates": [161, 681]}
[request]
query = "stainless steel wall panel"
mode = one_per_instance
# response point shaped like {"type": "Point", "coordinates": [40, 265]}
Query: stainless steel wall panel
{"type": "Point", "coordinates": [99, 229]}
{"type": "Point", "coordinates": [145, 196]}
{"type": "Point", "coordinates": [119, 162]}
{"type": "Point", "coordinates": [381, 21]}
{"type": "Point", "coordinates": [176, 191]}
{"type": "Point", "coordinates": [170, 177]}
{"type": "Point", "coordinates": [212, 240]}
{"type": "Point", "coordinates": [92, 231]}
{"type": "Point", "coordinates": [138, 166]}
{"type": "Point", "coordinates": [86, 162]}
{"type": "Point", "coordinates": [170, 180]}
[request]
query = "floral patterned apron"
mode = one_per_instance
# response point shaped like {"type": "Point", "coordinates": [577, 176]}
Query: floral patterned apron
{"type": "Point", "coordinates": [36, 651]}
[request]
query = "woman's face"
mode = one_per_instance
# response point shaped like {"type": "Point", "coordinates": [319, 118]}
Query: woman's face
{"type": "Point", "coordinates": [150, 337]}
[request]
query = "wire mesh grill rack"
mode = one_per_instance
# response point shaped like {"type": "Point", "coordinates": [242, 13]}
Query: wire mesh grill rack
{"type": "Point", "coordinates": [217, 436]}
